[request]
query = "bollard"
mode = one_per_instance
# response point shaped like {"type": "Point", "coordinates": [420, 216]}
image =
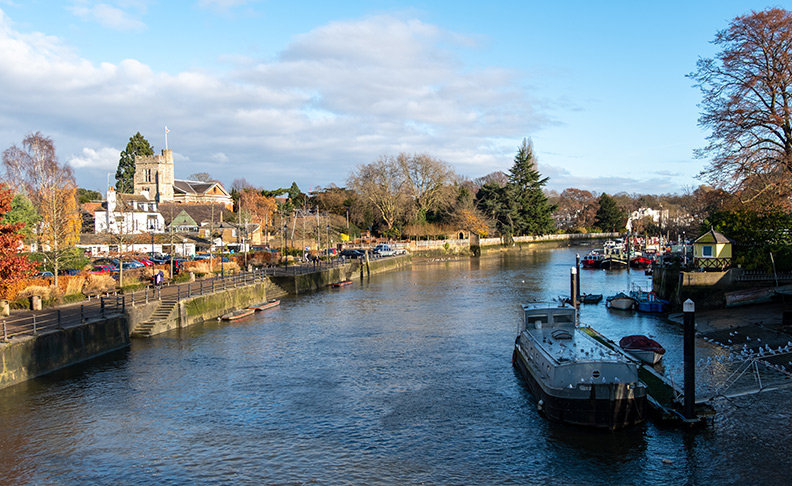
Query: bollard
{"type": "Point", "coordinates": [689, 346]}
{"type": "Point", "coordinates": [5, 331]}
{"type": "Point", "coordinates": [59, 319]}
{"type": "Point", "coordinates": [82, 313]}
{"type": "Point", "coordinates": [573, 286]}
{"type": "Point", "coordinates": [34, 324]}
{"type": "Point", "coordinates": [101, 306]}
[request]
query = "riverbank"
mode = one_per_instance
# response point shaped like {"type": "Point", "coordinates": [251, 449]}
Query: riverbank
{"type": "Point", "coordinates": [770, 314]}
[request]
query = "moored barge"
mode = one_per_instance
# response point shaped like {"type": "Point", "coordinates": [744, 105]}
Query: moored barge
{"type": "Point", "coordinates": [575, 378]}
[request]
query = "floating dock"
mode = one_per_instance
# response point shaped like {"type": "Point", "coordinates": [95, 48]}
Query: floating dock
{"type": "Point", "coordinates": [665, 397]}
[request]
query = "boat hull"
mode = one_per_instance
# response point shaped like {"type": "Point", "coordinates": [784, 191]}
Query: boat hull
{"type": "Point", "coordinates": [232, 316]}
{"type": "Point", "coordinates": [606, 406]}
{"type": "Point", "coordinates": [265, 305]}
{"type": "Point", "coordinates": [622, 303]}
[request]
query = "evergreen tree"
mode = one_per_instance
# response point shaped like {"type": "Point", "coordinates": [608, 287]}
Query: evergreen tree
{"type": "Point", "coordinates": [535, 213]}
{"type": "Point", "coordinates": [609, 216]}
{"type": "Point", "coordinates": [125, 174]}
{"type": "Point", "coordinates": [520, 206]}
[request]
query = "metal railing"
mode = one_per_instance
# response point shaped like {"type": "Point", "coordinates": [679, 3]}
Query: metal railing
{"type": "Point", "coordinates": [26, 323]}
{"type": "Point", "coordinates": [32, 323]}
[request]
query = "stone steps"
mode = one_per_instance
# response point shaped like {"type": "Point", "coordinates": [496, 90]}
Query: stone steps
{"type": "Point", "coordinates": [162, 312]}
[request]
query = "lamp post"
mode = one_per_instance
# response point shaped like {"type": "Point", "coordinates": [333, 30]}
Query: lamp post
{"type": "Point", "coordinates": [285, 229]}
{"type": "Point", "coordinates": [152, 243]}
{"type": "Point", "coordinates": [327, 235]}
{"type": "Point", "coordinates": [684, 249]}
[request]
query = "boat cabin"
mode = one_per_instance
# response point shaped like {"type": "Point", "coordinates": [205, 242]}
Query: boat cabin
{"type": "Point", "coordinates": [541, 317]}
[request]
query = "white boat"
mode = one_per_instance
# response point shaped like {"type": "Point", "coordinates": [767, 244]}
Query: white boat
{"type": "Point", "coordinates": [575, 378]}
{"type": "Point", "coordinates": [646, 349]}
{"type": "Point", "coordinates": [620, 301]}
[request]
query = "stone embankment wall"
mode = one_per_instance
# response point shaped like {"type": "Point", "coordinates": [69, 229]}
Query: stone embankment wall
{"type": "Point", "coordinates": [38, 355]}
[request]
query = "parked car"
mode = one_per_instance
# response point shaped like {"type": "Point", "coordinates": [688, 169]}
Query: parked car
{"type": "Point", "coordinates": [352, 253]}
{"type": "Point", "coordinates": [202, 256]}
{"type": "Point", "coordinates": [330, 252]}
{"type": "Point", "coordinates": [69, 271]}
{"type": "Point", "coordinates": [45, 275]}
{"type": "Point", "coordinates": [384, 250]}
{"type": "Point", "coordinates": [145, 262]}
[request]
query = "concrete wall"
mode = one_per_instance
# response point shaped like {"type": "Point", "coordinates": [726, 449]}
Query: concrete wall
{"type": "Point", "coordinates": [34, 356]}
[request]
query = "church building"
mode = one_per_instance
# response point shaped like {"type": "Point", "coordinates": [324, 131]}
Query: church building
{"type": "Point", "coordinates": [154, 175]}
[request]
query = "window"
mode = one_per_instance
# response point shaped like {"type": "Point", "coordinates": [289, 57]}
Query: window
{"type": "Point", "coordinates": [148, 175]}
{"type": "Point", "coordinates": [706, 251]}
{"type": "Point", "coordinates": [151, 223]}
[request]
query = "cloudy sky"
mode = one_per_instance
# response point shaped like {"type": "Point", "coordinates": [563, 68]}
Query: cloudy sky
{"type": "Point", "coordinates": [279, 92]}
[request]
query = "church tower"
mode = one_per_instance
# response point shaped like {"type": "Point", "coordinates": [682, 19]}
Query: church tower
{"type": "Point", "coordinates": [155, 174]}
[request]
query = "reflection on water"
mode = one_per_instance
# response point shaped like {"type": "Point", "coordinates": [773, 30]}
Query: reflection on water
{"type": "Point", "coordinates": [405, 378]}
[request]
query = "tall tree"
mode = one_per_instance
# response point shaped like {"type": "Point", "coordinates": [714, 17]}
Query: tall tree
{"type": "Point", "coordinates": [52, 190]}
{"type": "Point", "coordinates": [575, 209]}
{"type": "Point", "coordinates": [125, 174]}
{"type": "Point", "coordinates": [13, 266]}
{"type": "Point", "coordinates": [428, 182]}
{"type": "Point", "coordinates": [380, 185]}
{"type": "Point", "coordinates": [747, 105]}
{"type": "Point", "coordinates": [526, 185]}
{"type": "Point", "coordinates": [609, 216]}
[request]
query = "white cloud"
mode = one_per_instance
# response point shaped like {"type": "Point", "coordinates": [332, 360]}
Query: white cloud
{"type": "Point", "coordinates": [110, 16]}
{"type": "Point", "coordinates": [103, 158]}
{"type": "Point", "coordinates": [338, 96]}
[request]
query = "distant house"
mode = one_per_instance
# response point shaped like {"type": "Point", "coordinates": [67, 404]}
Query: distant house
{"type": "Point", "coordinates": [128, 214]}
{"type": "Point", "coordinates": [712, 251]}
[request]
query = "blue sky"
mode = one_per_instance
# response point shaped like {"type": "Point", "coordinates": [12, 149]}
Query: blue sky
{"type": "Point", "coordinates": [279, 92]}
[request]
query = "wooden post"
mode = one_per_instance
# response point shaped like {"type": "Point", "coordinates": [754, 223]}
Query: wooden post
{"type": "Point", "coordinates": [573, 285]}
{"type": "Point", "coordinates": [689, 310]}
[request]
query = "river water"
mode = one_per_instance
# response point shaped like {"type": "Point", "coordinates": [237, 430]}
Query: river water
{"type": "Point", "coordinates": [404, 378]}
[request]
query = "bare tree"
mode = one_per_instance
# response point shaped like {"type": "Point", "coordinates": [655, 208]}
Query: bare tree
{"type": "Point", "coordinates": [429, 182]}
{"type": "Point", "coordinates": [747, 103]}
{"type": "Point", "coordinates": [52, 190]}
{"type": "Point", "coordinates": [381, 185]}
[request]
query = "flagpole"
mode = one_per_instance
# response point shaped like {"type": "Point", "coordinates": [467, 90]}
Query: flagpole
{"type": "Point", "coordinates": [166, 137]}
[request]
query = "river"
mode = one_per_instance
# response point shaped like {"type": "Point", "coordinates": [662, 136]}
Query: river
{"type": "Point", "coordinates": [404, 378]}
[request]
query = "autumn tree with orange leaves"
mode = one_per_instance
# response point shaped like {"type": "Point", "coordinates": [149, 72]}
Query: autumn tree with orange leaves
{"type": "Point", "coordinates": [257, 207]}
{"type": "Point", "coordinates": [51, 187]}
{"type": "Point", "coordinates": [13, 266]}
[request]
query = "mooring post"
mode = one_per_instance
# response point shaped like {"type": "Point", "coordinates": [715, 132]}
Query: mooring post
{"type": "Point", "coordinates": [689, 309]}
{"type": "Point", "coordinates": [577, 271]}
{"type": "Point", "coordinates": [573, 286]}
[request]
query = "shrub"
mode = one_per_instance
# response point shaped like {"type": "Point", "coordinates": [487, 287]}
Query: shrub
{"type": "Point", "coordinates": [98, 284]}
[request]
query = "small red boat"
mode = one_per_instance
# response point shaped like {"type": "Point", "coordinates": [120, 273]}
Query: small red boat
{"type": "Point", "coordinates": [646, 349]}
{"type": "Point", "coordinates": [265, 305]}
{"type": "Point", "coordinates": [342, 283]}
{"type": "Point", "coordinates": [640, 261]}
{"type": "Point", "coordinates": [238, 314]}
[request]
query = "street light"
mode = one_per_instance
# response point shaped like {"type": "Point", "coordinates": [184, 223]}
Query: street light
{"type": "Point", "coordinates": [152, 243]}
{"type": "Point", "coordinates": [285, 229]}
{"type": "Point", "coordinates": [327, 234]}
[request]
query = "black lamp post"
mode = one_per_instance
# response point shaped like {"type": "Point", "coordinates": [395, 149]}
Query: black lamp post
{"type": "Point", "coordinates": [285, 229]}
{"type": "Point", "coordinates": [152, 243]}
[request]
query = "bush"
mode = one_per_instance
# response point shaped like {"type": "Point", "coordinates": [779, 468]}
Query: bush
{"type": "Point", "coordinates": [98, 283]}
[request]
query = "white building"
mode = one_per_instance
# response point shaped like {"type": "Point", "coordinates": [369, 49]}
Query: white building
{"type": "Point", "coordinates": [128, 214]}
